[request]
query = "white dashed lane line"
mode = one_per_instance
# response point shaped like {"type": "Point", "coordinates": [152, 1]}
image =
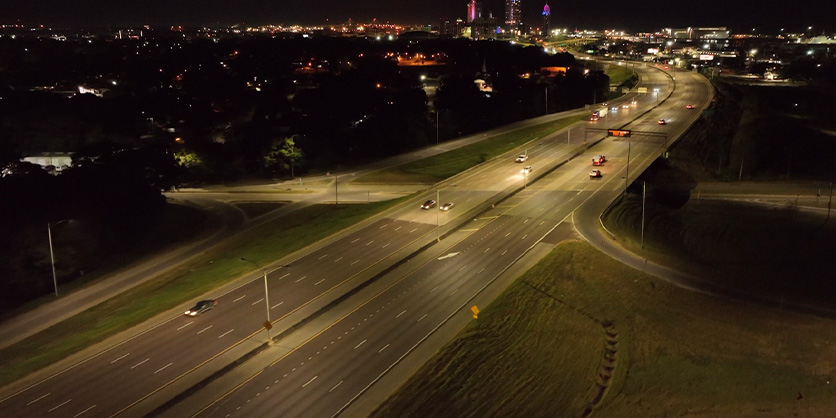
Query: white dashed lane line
{"type": "Point", "coordinates": [274, 306]}
{"type": "Point", "coordinates": [309, 381]}
{"type": "Point", "coordinates": [37, 399]}
{"type": "Point", "coordinates": [225, 334]}
{"type": "Point", "coordinates": [399, 315]}
{"type": "Point", "coordinates": [258, 301]}
{"type": "Point", "coordinates": [355, 262]}
{"type": "Point", "coordinates": [319, 282]}
{"type": "Point", "coordinates": [419, 319]}
{"type": "Point", "coordinates": [326, 255]}
{"type": "Point", "coordinates": [358, 345]}
{"type": "Point", "coordinates": [381, 350]}
{"type": "Point", "coordinates": [338, 259]}
{"type": "Point", "coordinates": [163, 368]}
{"type": "Point", "coordinates": [300, 279]}
{"type": "Point", "coordinates": [285, 275]}
{"type": "Point", "coordinates": [59, 405]}
{"type": "Point", "coordinates": [120, 357]}
{"type": "Point", "coordinates": [358, 239]}
{"type": "Point", "coordinates": [204, 329]}
{"type": "Point", "coordinates": [369, 243]}
{"type": "Point", "coordinates": [184, 326]}
{"type": "Point", "coordinates": [335, 386]}
{"type": "Point", "coordinates": [139, 364]}
{"type": "Point", "coordinates": [237, 299]}
{"type": "Point", "coordinates": [83, 412]}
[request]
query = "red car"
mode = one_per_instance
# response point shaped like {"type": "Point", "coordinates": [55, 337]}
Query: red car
{"type": "Point", "coordinates": [689, 107]}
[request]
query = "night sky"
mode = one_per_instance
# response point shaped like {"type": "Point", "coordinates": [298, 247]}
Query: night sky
{"type": "Point", "coordinates": [740, 16]}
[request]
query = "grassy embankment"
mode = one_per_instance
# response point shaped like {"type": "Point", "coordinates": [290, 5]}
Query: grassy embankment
{"type": "Point", "coordinates": [619, 74]}
{"type": "Point", "coordinates": [540, 349]}
{"type": "Point", "coordinates": [179, 287]}
{"type": "Point", "coordinates": [781, 253]}
{"type": "Point", "coordinates": [442, 166]}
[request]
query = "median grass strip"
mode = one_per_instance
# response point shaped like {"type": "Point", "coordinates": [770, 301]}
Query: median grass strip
{"type": "Point", "coordinates": [442, 166]}
{"type": "Point", "coordinates": [262, 245]}
{"type": "Point", "coordinates": [539, 350]}
{"type": "Point", "coordinates": [619, 73]}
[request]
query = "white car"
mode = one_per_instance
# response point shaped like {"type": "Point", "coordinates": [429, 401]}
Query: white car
{"type": "Point", "coordinates": [521, 158]}
{"type": "Point", "coordinates": [526, 169]}
{"type": "Point", "coordinates": [447, 206]}
{"type": "Point", "coordinates": [595, 173]}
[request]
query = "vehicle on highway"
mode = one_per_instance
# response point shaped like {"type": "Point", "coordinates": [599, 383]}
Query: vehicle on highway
{"type": "Point", "coordinates": [428, 204]}
{"type": "Point", "coordinates": [521, 158]}
{"type": "Point", "coordinates": [447, 206]}
{"type": "Point", "coordinates": [661, 122]}
{"type": "Point", "coordinates": [625, 106]}
{"type": "Point", "coordinates": [689, 107]}
{"type": "Point", "coordinates": [599, 160]}
{"type": "Point", "coordinates": [634, 103]}
{"type": "Point", "coordinates": [201, 307]}
{"type": "Point", "coordinates": [526, 169]}
{"type": "Point", "coordinates": [595, 173]}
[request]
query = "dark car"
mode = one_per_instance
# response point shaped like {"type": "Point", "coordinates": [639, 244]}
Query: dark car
{"type": "Point", "coordinates": [428, 204]}
{"type": "Point", "coordinates": [201, 307]}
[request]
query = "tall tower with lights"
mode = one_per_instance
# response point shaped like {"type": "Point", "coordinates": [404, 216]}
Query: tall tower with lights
{"type": "Point", "coordinates": [474, 10]}
{"type": "Point", "coordinates": [547, 12]}
{"type": "Point", "coordinates": [513, 17]}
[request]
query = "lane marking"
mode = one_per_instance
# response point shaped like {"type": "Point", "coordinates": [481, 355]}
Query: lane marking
{"type": "Point", "coordinates": [225, 334]}
{"type": "Point", "coordinates": [335, 386]}
{"type": "Point", "coordinates": [383, 226]}
{"type": "Point", "coordinates": [433, 289]}
{"type": "Point", "coordinates": [506, 235]}
{"type": "Point", "coordinates": [399, 315]}
{"type": "Point", "coordinates": [463, 267]}
{"type": "Point", "coordinates": [285, 275]}
{"type": "Point", "coordinates": [184, 326]}
{"type": "Point", "coordinates": [309, 381]}
{"type": "Point", "coordinates": [326, 255]}
{"type": "Point", "coordinates": [503, 253]}
{"type": "Point", "coordinates": [399, 227]}
{"type": "Point", "coordinates": [524, 236]}
{"type": "Point", "coordinates": [272, 307]}
{"type": "Point", "coordinates": [525, 221]}
{"type": "Point", "coordinates": [139, 364]}
{"type": "Point", "coordinates": [355, 262]}
{"type": "Point", "coordinates": [120, 358]}
{"type": "Point", "coordinates": [319, 282]}
{"type": "Point", "coordinates": [381, 350]}
{"type": "Point", "coordinates": [486, 250]}
{"type": "Point", "coordinates": [358, 239]}
{"type": "Point", "coordinates": [358, 345]}
{"type": "Point", "coordinates": [258, 301]}
{"type": "Point", "coordinates": [163, 368]}
{"type": "Point", "coordinates": [204, 329]}
{"type": "Point", "coordinates": [369, 243]}
{"type": "Point", "coordinates": [419, 319]}
{"type": "Point", "coordinates": [236, 300]}
{"type": "Point", "coordinates": [300, 279]}
{"type": "Point", "coordinates": [83, 412]}
{"type": "Point", "coordinates": [60, 405]}
{"type": "Point", "coordinates": [483, 269]}
{"type": "Point", "coordinates": [36, 400]}
{"type": "Point", "coordinates": [338, 259]}
{"type": "Point", "coordinates": [413, 230]}
{"type": "Point", "coordinates": [387, 244]}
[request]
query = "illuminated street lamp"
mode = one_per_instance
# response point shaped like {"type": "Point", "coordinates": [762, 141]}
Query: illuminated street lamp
{"type": "Point", "coordinates": [269, 323]}
{"type": "Point", "coordinates": [52, 253]}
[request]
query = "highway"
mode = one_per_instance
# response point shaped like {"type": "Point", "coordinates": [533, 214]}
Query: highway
{"type": "Point", "coordinates": [322, 376]}
{"type": "Point", "coordinates": [332, 369]}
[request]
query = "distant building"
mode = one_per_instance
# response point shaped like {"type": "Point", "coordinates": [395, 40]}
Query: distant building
{"type": "Point", "coordinates": [547, 12]}
{"type": "Point", "coordinates": [513, 15]}
{"type": "Point", "coordinates": [483, 28]}
{"type": "Point", "coordinates": [450, 28]}
{"type": "Point", "coordinates": [474, 10]}
{"type": "Point", "coordinates": [53, 161]}
{"type": "Point", "coordinates": [703, 34]}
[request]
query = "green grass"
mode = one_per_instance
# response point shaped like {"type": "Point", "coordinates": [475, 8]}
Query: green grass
{"type": "Point", "coordinates": [619, 73]}
{"type": "Point", "coordinates": [262, 245]}
{"type": "Point", "coordinates": [778, 253]}
{"type": "Point", "coordinates": [442, 166]}
{"type": "Point", "coordinates": [254, 209]}
{"type": "Point", "coordinates": [537, 353]}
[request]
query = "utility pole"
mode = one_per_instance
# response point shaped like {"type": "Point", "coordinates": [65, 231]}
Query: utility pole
{"type": "Point", "coordinates": [52, 257]}
{"type": "Point", "coordinates": [644, 193]}
{"type": "Point", "coordinates": [547, 100]}
{"type": "Point", "coordinates": [740, 174]}
{"type": "Point", "coordinates": [627, 174]}
{"type": "Point", "coordinates": [437, 215]}
{"type": "Point", "coordinates": [269, 323]}
{"type": "Point", "coordinates": [829, 201]}
{"type": "Point", "coordinates": [336, 190]}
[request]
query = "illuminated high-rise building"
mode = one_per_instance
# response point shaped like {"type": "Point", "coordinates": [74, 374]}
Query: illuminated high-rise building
{"type": "Point", "coordinates": [474, 10]}
{"type": "Point", "coordinates": [513, 16]}
{"type": "Point", "coordinates": [547, 12]}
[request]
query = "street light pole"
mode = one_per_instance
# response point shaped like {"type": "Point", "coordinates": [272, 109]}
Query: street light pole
{"type": "Point", "coordinates": [52, 259]}
{"type": "Point", "coordinates": [437, 116]}
{"type": "Point", "coordinates": [627, 174]}
{"type": "Point", "coordinates": [437, 215]}
{"type": "Point", "coordinates": [266, 297]}
{"type": "Point", "coordinates": [336, 190]}
{"type": "Point", "coordinates": [547, 100]}
{"type": "Point", "coordinates": [644, 193]}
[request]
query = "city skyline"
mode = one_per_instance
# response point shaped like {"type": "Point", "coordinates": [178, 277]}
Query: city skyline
{"type": "Point", "coordinates": [768, 16]}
